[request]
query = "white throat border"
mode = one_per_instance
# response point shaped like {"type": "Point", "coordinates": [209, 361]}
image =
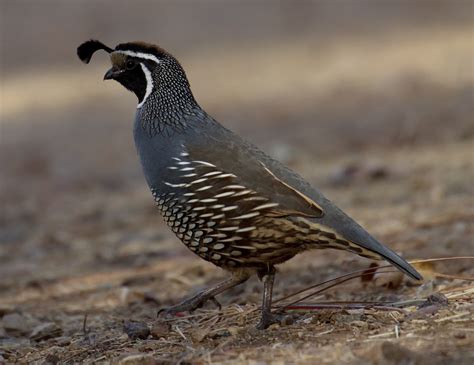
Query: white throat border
{"type": "Point", "coordinates": [149, 84]}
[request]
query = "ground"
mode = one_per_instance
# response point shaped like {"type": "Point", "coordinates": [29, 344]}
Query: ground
{"type": "Point", "coordinates": [86, 262]}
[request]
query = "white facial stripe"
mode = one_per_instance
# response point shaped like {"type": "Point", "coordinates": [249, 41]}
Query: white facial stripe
{"type": "Point", "coordinates": [145, 56]}
{"type": "Point", "coordinates": [149, 84]}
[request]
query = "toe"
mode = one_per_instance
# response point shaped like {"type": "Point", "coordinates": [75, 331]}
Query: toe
{"type": "Point", "coordinates": [268, 319]}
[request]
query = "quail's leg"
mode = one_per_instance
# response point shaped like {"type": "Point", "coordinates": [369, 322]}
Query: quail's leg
{"type": "Point", "coordinates": [200, 298]}
{"type": "Point", "coordinates": [268, 318]}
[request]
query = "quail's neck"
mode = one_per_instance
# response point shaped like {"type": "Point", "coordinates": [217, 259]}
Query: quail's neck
{"type": "Point", "coordinates": [169, 105]}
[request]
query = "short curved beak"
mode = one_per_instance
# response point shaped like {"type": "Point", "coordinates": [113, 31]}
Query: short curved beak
{"type": "Point", "coordinates": [111, 74]}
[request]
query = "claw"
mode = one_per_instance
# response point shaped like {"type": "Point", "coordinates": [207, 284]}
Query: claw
{"type": "Point", "coordinates": [270, 318]}
{"type": "Point", "coordinates": [199, 299]}
{"type": "Point", "coordinates": [267, 320]}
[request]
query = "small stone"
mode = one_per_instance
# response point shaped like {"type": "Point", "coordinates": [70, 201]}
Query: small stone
{"type": "Point", "coordinates": [16, 325]}
{"type": "Point", "coordinates": [160, 329]}
{"type": "Point", "coordinates": [138, 359]}
{"type": "Point", "coordinates": [136, 330]}
{"type": "Point", "coordinates": [234, 330]}
{"type": "Point", "coordinates": [122, 338]}
{"type": "Point", "coordinates": [437, 299]}
{"type": "Point", "coordinates": [199, 334]}
{"type": "Point", "coordinates": [287, 320]}
{"type": "Point", "coordinates": [45, 331]}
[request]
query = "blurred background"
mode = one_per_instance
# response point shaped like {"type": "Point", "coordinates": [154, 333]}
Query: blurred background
{"type": "Point", "coordinates": [371, 101]}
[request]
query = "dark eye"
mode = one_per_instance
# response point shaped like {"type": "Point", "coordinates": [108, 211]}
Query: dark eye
{"type": "Point", "coordinates": [130, 64]}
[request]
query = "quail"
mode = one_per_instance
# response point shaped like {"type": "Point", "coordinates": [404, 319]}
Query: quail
{"type": "Point", "coordinates": [225, 199]}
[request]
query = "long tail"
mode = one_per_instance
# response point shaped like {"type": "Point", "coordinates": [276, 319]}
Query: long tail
{"type": "Point", "coordinates": [375, 250]}
{"type": "Point", "coordinates": [366, 247]}
{"type": "Point", "coordinates": [397, 261]}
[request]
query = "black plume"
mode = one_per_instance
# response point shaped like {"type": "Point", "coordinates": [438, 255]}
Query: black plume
{"type": "Point", "coordinates": [87, 49]}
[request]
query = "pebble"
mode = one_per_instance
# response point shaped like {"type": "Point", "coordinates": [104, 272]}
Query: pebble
{"type": "Point", "coordinates": [199, 334]}
{"type": "Point", "coordinates": [45, 331]}
{"type": "Point", "coordinates": [136, 330]}
{"type": "Point", "coordinates": [16, 325]}
{"type": "Point", "coordinates": [438, 299]}
{"type": "Point", "coordinates": [287, 320]}
{"type": "Point", "coordinates": [160, 329]}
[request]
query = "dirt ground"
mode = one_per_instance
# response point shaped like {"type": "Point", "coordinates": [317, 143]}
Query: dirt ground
{"type": "Point", "coordinates": [380, 121]}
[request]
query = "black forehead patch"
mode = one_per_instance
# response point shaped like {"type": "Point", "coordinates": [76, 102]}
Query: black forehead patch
{"type": "Point", "coordinates": [142, 47]}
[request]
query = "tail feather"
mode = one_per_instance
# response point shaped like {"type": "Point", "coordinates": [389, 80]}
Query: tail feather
{"type": "Point", "coordinates": [358, 238]}
{"type": "Point", "coordinates": [397, 261]}
{"type": "Point", "coordinates": [375, 251]}
{"type": "Point", "coordinates": [358, 241]}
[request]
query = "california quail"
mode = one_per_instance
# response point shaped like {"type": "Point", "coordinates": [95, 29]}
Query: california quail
{"type": "Point", "coordinates": [226, 200]}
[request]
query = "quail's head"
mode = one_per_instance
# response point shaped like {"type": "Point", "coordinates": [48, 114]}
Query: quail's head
{"type": "Point", "coordinates": [140, 67]}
